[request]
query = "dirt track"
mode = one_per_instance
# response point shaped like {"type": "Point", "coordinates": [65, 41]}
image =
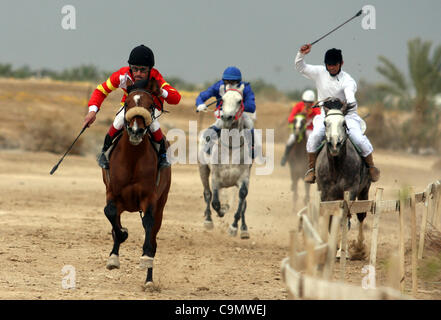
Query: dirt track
{"type": "Point", "coordinates": [48, 222]}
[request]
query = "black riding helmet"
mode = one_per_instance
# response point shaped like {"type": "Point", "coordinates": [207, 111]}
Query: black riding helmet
{"type": "Point", "coordinates": [142, 56]}
{"type": "Point", "coordinates": [333, 56]}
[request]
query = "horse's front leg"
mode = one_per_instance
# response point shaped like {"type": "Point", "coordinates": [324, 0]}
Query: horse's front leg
{"type": "Point", "coordinates": [358, 249]}
{"type": "Point", "coordinates": [119, 234]}
{"type": "Point", "coordinates": [204, 172]}
{"type": "Point", "coordinates": [240, 213]}
{"type": "Point", "coordinates": [307, 192]}
{"type": "Point", "coordinates": [149, 247]}
{"type": "Point", "coordinates": [215, 202]}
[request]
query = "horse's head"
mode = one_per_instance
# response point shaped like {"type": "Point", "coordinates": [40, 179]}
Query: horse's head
{"type": "Point", "coordinates": [139, 108]}
{"type": "Point", "coordinates": [335, 125]}
{"type": "Point", "coordinates": [232, 104]}
{"type": "Point", "coordinates": [299, 124]}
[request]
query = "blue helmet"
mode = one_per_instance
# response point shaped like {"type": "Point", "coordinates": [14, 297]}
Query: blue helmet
{"type": "Point", "coordinates": [232, 73]}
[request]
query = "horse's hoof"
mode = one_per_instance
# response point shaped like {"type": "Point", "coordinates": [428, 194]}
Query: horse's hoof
{"type": "Point", "coordinates": [225, 207]}
{"type": "Point", "coordinates": [145, 262]}
{"type": "Point", "coordinates": [113, 262]}
{"type": "Point", "coordinates": [357, 251]}
{"type": "Point", "coordinates": [244, 234]}
{"type": "Point", "coordinates": [338, 255]}
{"type": "Point", "coordinates": [232, 231]}
{"type": "Point", "coordinates": [149, 286]}
{"type": "Point", "coordinates": [208, 225]}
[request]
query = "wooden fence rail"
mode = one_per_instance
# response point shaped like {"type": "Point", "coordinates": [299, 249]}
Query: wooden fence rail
{"type": "Point", "coordinates": [307, 274]}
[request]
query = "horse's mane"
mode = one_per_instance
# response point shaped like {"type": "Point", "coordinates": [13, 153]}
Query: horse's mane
{"type": "Point", "coordinates": [333, 104]}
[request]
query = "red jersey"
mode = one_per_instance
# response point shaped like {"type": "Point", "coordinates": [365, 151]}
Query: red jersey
{"type": "Point", "coordinates": [310, 114]}
{"type": "Point", "coordinates": [119, 78]}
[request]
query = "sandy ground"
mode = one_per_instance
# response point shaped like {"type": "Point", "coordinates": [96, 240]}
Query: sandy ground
{"type": "Point", "coordinates": [50, 222]}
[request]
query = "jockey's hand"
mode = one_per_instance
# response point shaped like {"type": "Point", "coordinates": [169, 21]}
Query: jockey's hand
{"type": "Point", "coordinates": [201, 107]}
{"type": "Point", "coordinates": [89, 119]}
{"type": "Point", "coordinates": [305, 49]}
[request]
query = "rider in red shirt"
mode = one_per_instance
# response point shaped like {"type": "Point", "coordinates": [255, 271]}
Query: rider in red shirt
{"type": "Point", "coordinates": [141, 62]}
{"type": "Point", "coordinates": [304, 106]}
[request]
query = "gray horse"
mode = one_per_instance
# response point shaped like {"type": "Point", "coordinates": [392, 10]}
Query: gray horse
{"type": "Point", "coordinates": [235, 172]}
{"type": "Point", "coordinates": [340, 168]}
{"type": "Point", "coordinates": [296, 157]}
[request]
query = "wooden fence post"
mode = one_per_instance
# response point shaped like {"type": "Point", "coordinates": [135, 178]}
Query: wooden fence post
{"type": "Point", "coordinates": [332, 245]}
{"type": "Point", "coordinates": [427, 208]}
{"type": "Point", "coordinates": [293, 254]}
{"type": "Point", "coordinates": [401, 240]}
{"type": "Point", "coordinates": [437, 213]}
{"type": "Point", "coordinates": [375, 226]}
{"type": "Point", "coordinates": [414, 242]}
{"type": "Point", "coordinates": [344, 236]}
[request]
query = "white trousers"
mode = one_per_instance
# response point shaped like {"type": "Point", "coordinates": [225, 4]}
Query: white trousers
{"type": "Point", "coordinates": [353, 122]}
{"type": "Point", "coordinates": [118, 122]}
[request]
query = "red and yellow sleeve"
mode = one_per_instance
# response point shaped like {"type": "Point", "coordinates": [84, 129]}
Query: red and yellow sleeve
{"type": "Point", "coordinates": [296, 109]}
{"type": "Point", "coordinates": [102, 91]}
{"type": "Point", "coordinates": [173, 95]}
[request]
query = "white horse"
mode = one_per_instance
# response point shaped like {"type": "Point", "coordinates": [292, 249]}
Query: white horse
{"type": "Point", "coordinates": [235, 172]}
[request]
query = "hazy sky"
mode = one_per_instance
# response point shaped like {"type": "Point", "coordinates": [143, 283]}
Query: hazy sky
{"type": "Point", "coordinates": [197, 39]}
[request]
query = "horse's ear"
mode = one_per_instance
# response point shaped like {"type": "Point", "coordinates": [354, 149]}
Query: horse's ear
{"type": "Point", "coordinates": [242, 87]}
{"type": "Point", "coordinates": [129, 82]}
{"type": "Point", "coordinates": [222, 90]}
{"type": "Point", "coordinates": [153, 87]}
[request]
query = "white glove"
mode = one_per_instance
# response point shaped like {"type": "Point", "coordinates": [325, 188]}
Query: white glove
{"type": "Point", "coordinates": [201, 107]}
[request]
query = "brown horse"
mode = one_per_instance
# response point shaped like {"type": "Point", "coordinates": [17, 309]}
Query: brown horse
{"type": "Point", "coordinates": [133, 182]}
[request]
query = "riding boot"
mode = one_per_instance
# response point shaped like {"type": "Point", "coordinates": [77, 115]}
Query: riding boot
{"type": "Point", "coordinates": [310, 174]}
{"type": "Point", "coordinates": [373, 171]}
{"type": "Point", "coordinates": [103, 162]}
{"type": "Point", "coordinates": [162, 155]}
{"type": "Point", "coordinates": [288, 148]}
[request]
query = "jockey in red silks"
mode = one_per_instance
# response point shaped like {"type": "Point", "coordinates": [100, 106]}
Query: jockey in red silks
{"type": "Point", "coordinates": [304, 106]}
{"type": "Point", "coordinates": [141, 62]}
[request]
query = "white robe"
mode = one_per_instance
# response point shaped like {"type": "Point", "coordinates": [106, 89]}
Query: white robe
{"type": "Point", "coordinates": [341, 86]}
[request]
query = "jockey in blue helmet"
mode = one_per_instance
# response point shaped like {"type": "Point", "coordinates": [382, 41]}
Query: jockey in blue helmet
{"type": "Point", "coordinates": [231, 76]}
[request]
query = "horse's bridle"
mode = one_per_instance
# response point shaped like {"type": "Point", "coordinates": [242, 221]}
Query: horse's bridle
{"type": "Point", "coordinates": [344, 124]}
{"type": "Point", "coordinates": [151, 108]}
{"type": "Point", "coordinates": [238, 113]}
{"type": "Point", "coordinates": [300, 137]}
